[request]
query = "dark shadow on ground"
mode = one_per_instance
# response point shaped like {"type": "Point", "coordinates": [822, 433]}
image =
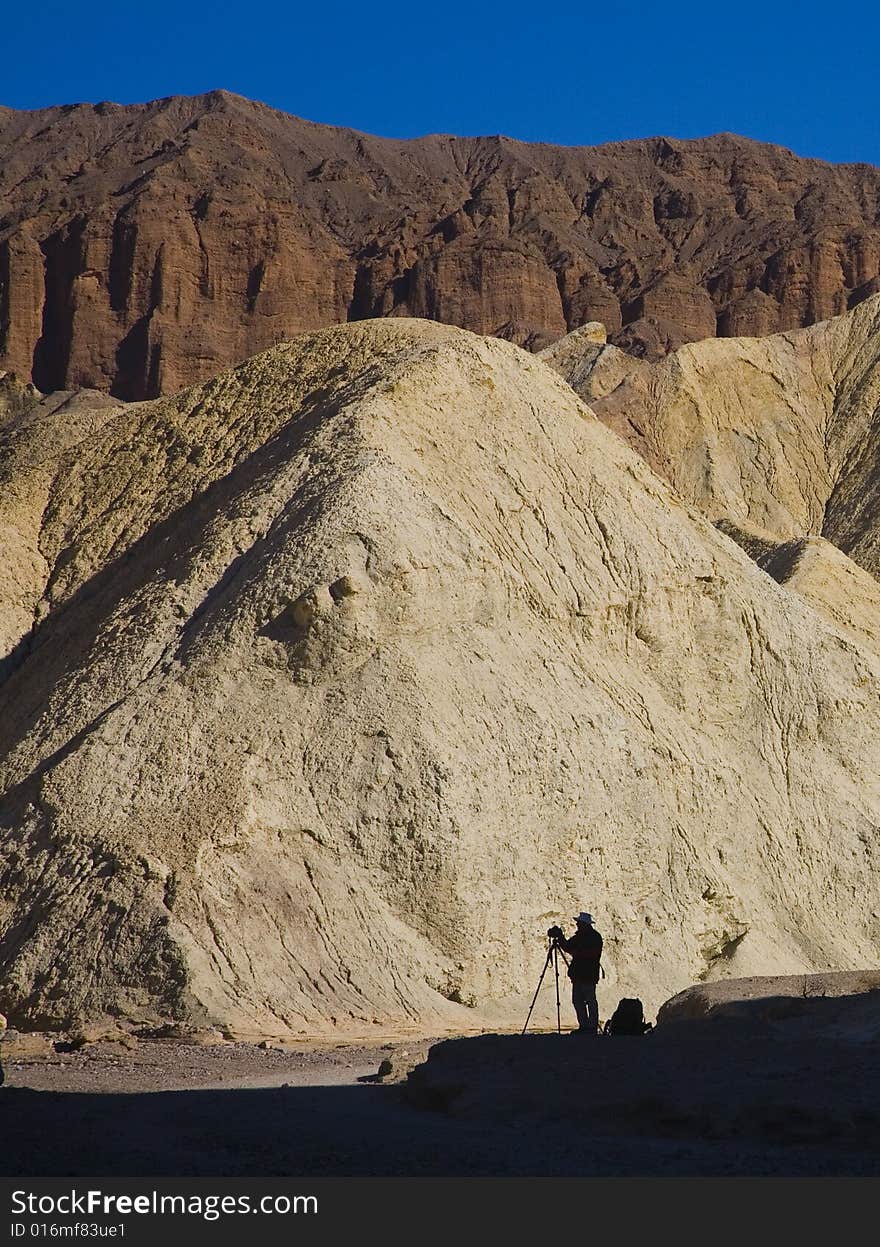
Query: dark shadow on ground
{"type": "Point", "coordinates": [783, 1076]}
{"type": "Point", "coordinates": [777, 1085]}
{"type": "Point", "coordinates": [353, 1131]}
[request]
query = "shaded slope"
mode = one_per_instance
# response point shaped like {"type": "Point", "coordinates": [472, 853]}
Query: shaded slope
{"type": "Point", "coordinates": [836, 586]}
{"type": "Point", "coordinates": [743, 1074]}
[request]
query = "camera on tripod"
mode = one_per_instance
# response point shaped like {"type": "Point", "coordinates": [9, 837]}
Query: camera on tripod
{"type": "Point", "coordinates": [555, 951]}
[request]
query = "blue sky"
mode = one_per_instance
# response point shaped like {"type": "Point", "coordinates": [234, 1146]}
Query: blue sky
{"type": "Point", "coordinates": [800, 74]}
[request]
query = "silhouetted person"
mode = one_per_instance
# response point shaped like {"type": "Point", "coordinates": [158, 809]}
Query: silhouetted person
{"type": "Point", "coordinates": [585, 950]}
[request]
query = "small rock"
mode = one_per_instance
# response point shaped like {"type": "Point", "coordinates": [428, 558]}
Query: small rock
{"type": "Point", "coordinates": [27, 1045]}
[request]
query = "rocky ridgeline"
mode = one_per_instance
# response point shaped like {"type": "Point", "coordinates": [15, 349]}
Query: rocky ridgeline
{"type": "Point", "coordinates": [146, 247]}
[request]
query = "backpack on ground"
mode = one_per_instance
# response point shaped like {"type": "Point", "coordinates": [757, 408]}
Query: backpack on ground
{"type": "Point", "coordinates": [628, 1019]}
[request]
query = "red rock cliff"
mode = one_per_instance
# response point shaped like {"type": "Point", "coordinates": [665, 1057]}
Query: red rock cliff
{"type": "Point", "coordinates": [145, 247]}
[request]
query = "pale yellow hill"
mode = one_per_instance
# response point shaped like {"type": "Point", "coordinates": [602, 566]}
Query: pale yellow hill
{"type": "Point", "coordinates": [780, 432]}
{"type": "Point", "coordinates": [358, 666]}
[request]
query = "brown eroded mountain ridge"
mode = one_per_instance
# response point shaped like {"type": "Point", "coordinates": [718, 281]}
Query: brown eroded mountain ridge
{"type": "Point", "coordinates": [146, 247]}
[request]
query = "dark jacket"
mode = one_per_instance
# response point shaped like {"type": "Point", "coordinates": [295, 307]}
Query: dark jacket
{"type": "Point", "coordinates": [585, 948]}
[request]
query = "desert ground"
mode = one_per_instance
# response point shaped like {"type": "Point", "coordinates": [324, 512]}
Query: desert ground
{"type": "Point", "coordinates": [780, 1084]}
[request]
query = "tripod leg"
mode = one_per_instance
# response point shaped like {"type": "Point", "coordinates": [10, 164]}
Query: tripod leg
{"type": "Point", "coordinates": [538, 988]}
{"type": "Point", "coordinates": [556, 968]}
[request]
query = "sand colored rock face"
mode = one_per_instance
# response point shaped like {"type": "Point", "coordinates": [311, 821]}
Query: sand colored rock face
{"type": "Point", "coordinates": [357, 667]}
{"type": "Point", "coordinates": [774, 437]}
{"type": "Point", "coordinates": [833, 584]}
{"type": "Point", "coordinates": [35, 430]}
{"type": "Point", "coordinates": [144, 248]}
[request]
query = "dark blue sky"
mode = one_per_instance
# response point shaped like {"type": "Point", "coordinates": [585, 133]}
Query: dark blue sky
{"type": "Point", "coordinates": [800, 74]}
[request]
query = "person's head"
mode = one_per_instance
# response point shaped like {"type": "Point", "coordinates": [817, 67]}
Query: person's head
{"type": "Point", "coordinates": [584, 920]}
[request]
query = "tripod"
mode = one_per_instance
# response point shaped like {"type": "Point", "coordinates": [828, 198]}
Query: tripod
{"type": "Point", "coordinates": [554, 952]}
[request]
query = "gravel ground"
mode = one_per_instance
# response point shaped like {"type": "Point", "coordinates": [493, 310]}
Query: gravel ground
{"type": "Point", "coordinates": [155, 1065]}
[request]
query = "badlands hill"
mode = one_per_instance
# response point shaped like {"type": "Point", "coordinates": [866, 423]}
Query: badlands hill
{"type": "Point", "coordinates": [351, 670]}
{"type": "Point", "coordinates": [144, 248]}
{"type": "Point", "coordinates": [775, 439]}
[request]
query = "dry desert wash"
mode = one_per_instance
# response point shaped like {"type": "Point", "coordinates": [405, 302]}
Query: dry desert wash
{"type": "Point", "coordinates": [331, 682]}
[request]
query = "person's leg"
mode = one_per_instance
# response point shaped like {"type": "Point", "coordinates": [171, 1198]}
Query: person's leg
{"type": "Point", "coordinates": [580, 1007]}
{"type": "Point", "coordinates": [591, 1006]}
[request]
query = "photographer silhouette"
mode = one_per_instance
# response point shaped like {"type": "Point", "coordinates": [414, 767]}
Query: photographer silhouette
{"type": "Point", "coordinates": [585, 950]}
